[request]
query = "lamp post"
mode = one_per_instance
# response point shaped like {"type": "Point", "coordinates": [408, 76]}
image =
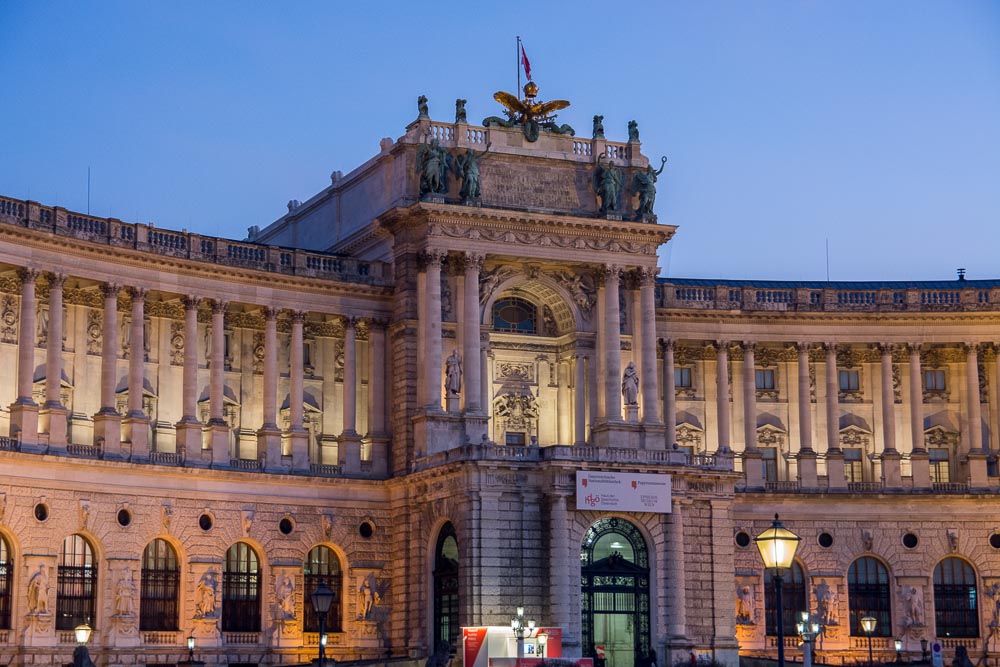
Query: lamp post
{"type": "Point", "coordinates": [923, 650]}
{"type": "Point", "coordinates": [81, 656]}
{"type": "Point", "coordinates": [808, 631]}
{"type": "Point", "coordinates": [521, 628]}
{"type": "Point", "coordinates": [322, 598]}
{"type": "Point", "coordinates": [868, 625]}
{"type": "Point", "coordinates": [898, 643]}
{"type": "Point", "coordinates": [777, 547]}
{"type": "Point", "coordinates": [543, 639]}
{"type": "Point", "coordinates": [190, 642]}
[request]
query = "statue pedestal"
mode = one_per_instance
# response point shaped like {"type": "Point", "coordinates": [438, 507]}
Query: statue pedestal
{"type": "Point", "coordinates": [39, 630]}
{"type": "Point", "coordinates": [435, 432]}
{"type": "Point", "coordinates": [367, 634]}
{"type": "Point", "coordinates": [286, 633]}
{"type": "Point", "coordinates": [632, 414]}
{"type": "Point", "coordinates": [613, 216]}
{"type": "Point", "coordinates": [472, 202]}
{"type": "Point", "coordinates": [124, 631]}
{"type": "Point", "coordinates": [451, 403]}
{"type": "Point", "coordinates": [206, 633]}
{"type": "Point", "coordinates": [433, 198]}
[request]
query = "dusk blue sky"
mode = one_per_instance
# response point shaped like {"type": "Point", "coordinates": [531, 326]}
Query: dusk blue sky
{"type": "Point", "coordinates": [875, 125]}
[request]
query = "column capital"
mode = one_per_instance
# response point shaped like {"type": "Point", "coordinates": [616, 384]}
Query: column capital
{"type": "Point", "coordinates": [608, 271]}
{"type": "Point", "coordinates": [297, 316]}
{"type": "Point", "coordinates": [110, 290]}
{"type": "Point", "coordinates": [431, 257]}
{"type": "Point", "coordinates": [915, 348]}
{"type": "Point", "coordinates": [970, 348]}
{"type": "Point", "coordinates": [56, 279]}
{"type": "Point", "coordinates": [219, 306]}
{"type": "Point", "coordinates": [28, 275]}
{"type": "Point", "coordinates": [668, 343]}
{"type": "Point", "coordinates": [802, 347]}
{"type": "Point", "coordinates": [474, 260]}
{"type": "Point", "coordinates": [830, 346]}
{"type": "Point", "coordinates": [885, 349]}
{"type": "Point", "coordinates": [137, 293]}
{"type": "Point", "coordinates": [647, 275]}
{"type": "Point", "coordinates": [379, 323]}
{"type": "Point", "coordinates": [721, 345]}
{"type": "Point", "coordinates": [350, 321]}
{"type": "Point", "coordinates": [191, 302]}
{"type": "Point", "coordinates": [270, 313]}
{"type": "Point", "coordinates": [748, 345]}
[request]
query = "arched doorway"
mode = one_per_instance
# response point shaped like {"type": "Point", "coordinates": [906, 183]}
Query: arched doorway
{"type": "Point", "coordinates": [615, 593]}
{"type": "Point", "coordinates": [446, 588]}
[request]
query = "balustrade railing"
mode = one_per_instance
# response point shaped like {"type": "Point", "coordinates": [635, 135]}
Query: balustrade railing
{"type": "Point", "coordinates": [84, 451]}
{"type": "Point", "coordinates": [160, 638]}
{"type": "Point", "coordinates": [245, 464]}
{"type": "Point", "coordinates": [324, 469]}
{"type": "Point", "coordinates": [10, 445]}
{"type": "Point", "coordinates": [950, 487]}
{"type": "Point", "coordinates": [166, 458]}
{"type": "Point", "coordinates": [240, 638]}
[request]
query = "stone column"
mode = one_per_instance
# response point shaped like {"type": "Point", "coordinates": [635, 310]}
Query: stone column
{"type": "Point", "coordinates": [807, 455]}
{"type": "Point", "coordinates": [560, 580]}
{"type": "Point", "coordinates": [891, 475]}
{"type": "Point", "coordinates": [919, 459]}
{"type": "Point", "coordinates": [470, 338]}
{"type": "Point", "coordinates": [484, 374]}
{"type": "Point", "coordinates": [432, 336]}
{"type": "Point", "coordinates": [834, 455]}
{"type": "Point", "coordinates": [996, 380]}
{"type": "Point", "coordinates": [376, 395]}
{"type": "Point", "coordinates": [669, 394]}
{"type": "Point", "coordinates": [676, 578]}
{"type": "Point", "coordinates": [136, 423]}
{"type": "Point", "coordinates": [52, 416]}
{"type": "Point", "coordinates": [221, 452]}
{"type": "Point", "coordinates": [753, 468]}
{"type": "Point", "coordinates": [976, 454]}
{"type": "Point", "coordinates": [612, 346]}
{"type": "Point", "coordinates": [189, 428]}
{"type": "Point", "coordinates": [722, 401]}
{"type": "Point", "coordinates": [565, 430]}
{"type": "Point", "coordinates": [107, 421]}
{"type": "Point", "coordinates": [579, 401]}
{"type": "Point", "coordinates": [24, 410]}
{"type": "Point", "coordinates": [647, 322]}
{"type": "Point", "coordinates": [350, 441]}
{"type": "Point", "coordinates": [269, 435]}
{"type": "Point", "coordinates": [297, 433]}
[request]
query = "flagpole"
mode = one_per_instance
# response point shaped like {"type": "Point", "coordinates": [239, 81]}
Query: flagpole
{"type": "Point", "coordinates": [517, 59]}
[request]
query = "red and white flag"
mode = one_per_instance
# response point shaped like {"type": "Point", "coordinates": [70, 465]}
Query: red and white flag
{"type": "Point", "coordinates": [527, 65]}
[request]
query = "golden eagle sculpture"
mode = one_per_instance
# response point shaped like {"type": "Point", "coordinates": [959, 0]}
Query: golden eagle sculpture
{"type": "Point", "coordinates": [530, 115]}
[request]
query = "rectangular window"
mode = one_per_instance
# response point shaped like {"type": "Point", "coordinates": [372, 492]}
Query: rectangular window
{"type": "Point", "coordinates": [934, 381]}
{"type": "Point", "coordinates": [682, 378]}
{"type": "Point", "coordinates": [940, 473]}
{"type": "Point", "coordinates": [769, 459]}
{"type": "Point", "coordinates": [853, 465]}
{"type": "Point", "coordinates": [849, 381]}
{"type": "Point", "coordinates": [765, 378]}
{"type": "Point", "coordinates": [515, 439]}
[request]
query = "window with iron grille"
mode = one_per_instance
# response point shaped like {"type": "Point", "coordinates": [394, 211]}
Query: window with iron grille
{"type": "Point", "coordinates": [793, 600]}
{"type": "Point", "coordinates": [159, 587]}
{"type": "Point", "coordinates": [956, 607]}
{"type": "Point", "coordinates": [322, 566]}
{"type": "Point", "coordinates": [76, 588]}
{"type": "Point", "coordinates": [241, 589]}
{"type": "Point", "coordinates": [6, 580]}
{"type": "Point", "coordinates": [446, 587]}
{"type": "Point", "coordinates": [868, 595]}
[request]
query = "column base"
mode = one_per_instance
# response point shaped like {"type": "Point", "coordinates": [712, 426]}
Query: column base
{"type": "Point", "coordinates": [380, 456]}
{"type": "Point", "coordinates": [652, 436]}
{"type": "Point", "coordinates": [24, 426]}
{"type": "Point", "coordinates": [476, 426]}
{"type": "Point", "coordinates": [269, 446]}
{"type": "Point", "coordinates": [892, 475]}
{"type": "Point", "coordinates": [836, 479]}
{"type": "Point", "coordinates": [108, 435]}
{"type": "Point", "coordinates": [753, 470]}
{"type": "Point", "coordinates": [54, 422]}
{"type": "Point", "coordinates": [807, 469]}
{"type": "Point", "coordinates": [219, 445]}
{"type": "Point", "coordinates": [136, 431]}
{"type": "Point", "coordinates": [188, 436]}
{"type": "Point", "coordinates": [300, 449]}
{"type": "Point", "coordinates": [920, 467]}
{"type": "Point", "coordinates": [977, 472]}
{"type": "Point", "coordinates": [616, 434]}
{"type": "Point", "coordinates": [349, 451]}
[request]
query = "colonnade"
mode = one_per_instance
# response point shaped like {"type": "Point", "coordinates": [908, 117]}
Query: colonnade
{"type": "Point", "coordinates": [974, 454]}
{"type": "Point", "coordinates": [116, 436]}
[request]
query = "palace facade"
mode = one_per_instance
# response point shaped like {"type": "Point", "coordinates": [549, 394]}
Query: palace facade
{"type": "Point", "coordinates": [395, 388]}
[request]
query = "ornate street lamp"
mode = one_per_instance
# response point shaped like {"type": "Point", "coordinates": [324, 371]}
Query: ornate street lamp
{"type": "Point", "coordinates": [322, 597]}
{"type": "Point", "coordinates": [190, 642]}
{"type": "Point", "coordinates": [81, 656]}
{"type": "Point", "coordinates": [868, 625]}
{"type": "Point", "coordinates": [777, 547]}
{"type": "Point", "coordinates": [808, 631]}
{"type": "Point", "coordinates": [898, 643]}
{"type": "Point", "coordinates": [521, 628]}
{"type": "Point", "coordinates": [543, 639]}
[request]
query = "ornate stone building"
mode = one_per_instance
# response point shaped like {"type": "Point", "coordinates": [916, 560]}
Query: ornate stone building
{"type": "Point", "coordinates": [394, 389]}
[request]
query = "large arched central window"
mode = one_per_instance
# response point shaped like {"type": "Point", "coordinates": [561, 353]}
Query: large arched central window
{"type": "Point", "coordinates": [446, 587]}
{"type": "Point", "coordinates": [868, 595]}
{"type": "Point", "coordinates": [161, 578]}
{"type": "Point", "coordinates": [241, 589]}
{"type": "Point", "coordinates": [516, 315]}
{"type": "Point", "coordinates": [956, 607]}
{"type": "Point", "coordinates": [322, 566]}
{"type": "Point", "coordinates": [76, 595]}
{"type": "Point", "coordinates": [793, 600]}
{"type": "Point", "coordinates": [6, 582]}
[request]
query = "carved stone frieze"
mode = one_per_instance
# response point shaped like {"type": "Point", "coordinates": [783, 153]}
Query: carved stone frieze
{"type": "Point", "coordinates": [9, 316]}
{"type": "Point", "coordinates": [506, 370]}
{"type": "Point", "coordinates": [545, 239]}
{"type": "Point", "coordinates": [94, 328]}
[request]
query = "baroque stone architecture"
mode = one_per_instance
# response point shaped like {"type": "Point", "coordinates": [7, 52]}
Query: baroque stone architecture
{"type": "Point", "coordinates": [396, 388]}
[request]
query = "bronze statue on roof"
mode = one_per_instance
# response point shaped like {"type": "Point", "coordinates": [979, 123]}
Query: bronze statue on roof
{"type": "Point", "coordinates": [530, 115]}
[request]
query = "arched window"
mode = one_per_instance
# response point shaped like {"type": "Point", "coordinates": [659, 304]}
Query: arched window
{"type": "Point", "coordinates": [322, 566]}
{"type": "Point", "coordinates": [868, 595]}
{"type": "Point", "coordinates": [76, 593]}
{"type": "Point", "coordinates": [446, 587]}
{"type": "Point", "coordinates": [793, 600]}
{"type": "Point", "coordinates": [6, 583]}
{"type": "Point", "coordinates": [956, 606]}
{"type": "Point", "coordinates": [161, 579]}
{"type": "Point", "coordinates": [241, 589]}
{"type": "Point", "coordinates": [515, 315]}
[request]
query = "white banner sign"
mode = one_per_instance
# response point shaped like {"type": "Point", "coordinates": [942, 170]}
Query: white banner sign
{"type": "Point", "coordinates": [622, 491]}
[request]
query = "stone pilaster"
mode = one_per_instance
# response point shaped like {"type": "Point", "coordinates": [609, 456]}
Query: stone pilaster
{"type": "Point", "coordinates": [52, 416]}
{"type": "Point", "coordinates": [471, 328]}
{"type": "Point", "coordinates": [297, 434]}
{"type": "Point", "coordinates": [919, 458]}
{"type": "Point", "coordinates": [189, 428]}
{"type": "Point", "coordinates": [976, 455]}
{"type": "Point", "coordinates": [136, 422]}
{"type": "Point", "coordinates": [891, 474]}
{"type": "Point", "coordinates": [836, 478]}
{"type": "Point", "coordinates": [669, 394]}
{"type": "Point", "coordinates": [723, 407]}
{"type": "Point", "coordinates": [807, 455]}
{"type": "Point", "coordinates": [579, 400]}
{"type": "Point", "coordinates": [753, 468]}
{"type": "Point", "coordinates": [350, 441]}
{"type": "Point", "coordinates": [269, 435]}
{"type": "Point", "coordinates": [24, 410]}
{"type": "Point", "coordinates": [432, 330]}
{"type": "Point", "coordinates": [647, 323]}
{"type": "Point", "coordinates": [107, 421]}
{"type": "Point", "coordinates": [376, 396]}
{"type": "Point", "coordinates": [220, 432]}
{"type": "Point", "coordinates": [612, 346]}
